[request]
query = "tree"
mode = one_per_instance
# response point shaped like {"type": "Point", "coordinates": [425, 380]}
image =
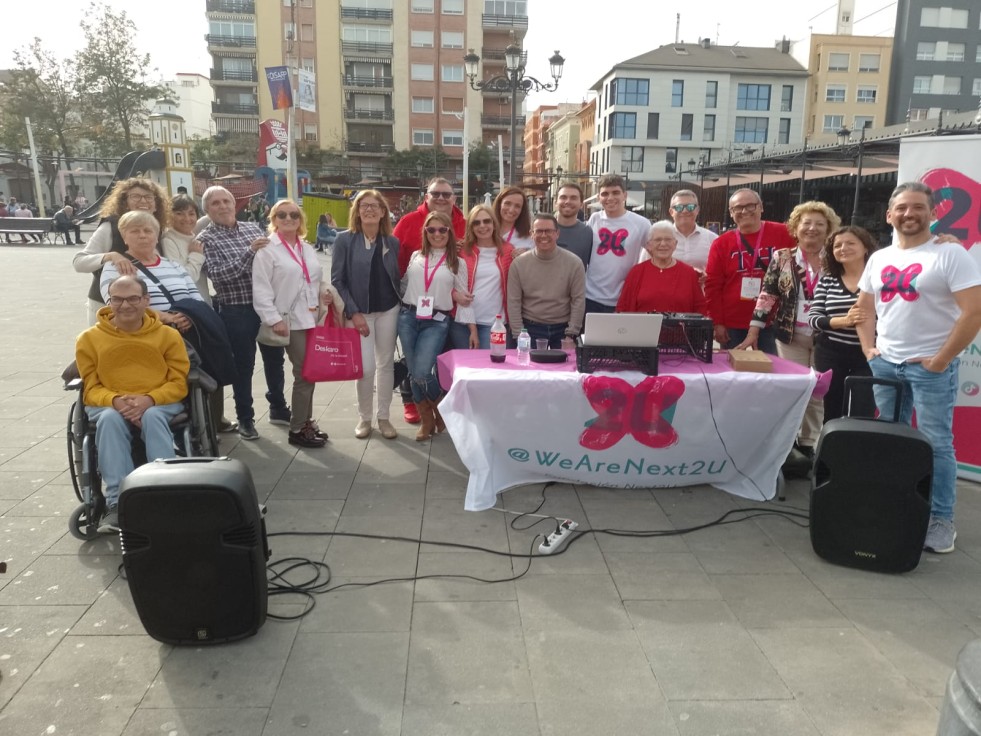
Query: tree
{"type": "Point", "coordinates": [421, 163]}
{"type": "Point", "coordinates": [43, 89]}
{"type": "Point", "coordinates": [114, 76]}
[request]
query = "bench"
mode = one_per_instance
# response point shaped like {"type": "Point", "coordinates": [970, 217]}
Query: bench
{"type": "Point", "coordinates": [41, 226]}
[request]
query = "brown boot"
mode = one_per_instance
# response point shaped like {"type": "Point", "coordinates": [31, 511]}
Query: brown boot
{"type": "Point", "coordinates": [428, 420]}
{"type": "Point", "coordinates": [438, 418]}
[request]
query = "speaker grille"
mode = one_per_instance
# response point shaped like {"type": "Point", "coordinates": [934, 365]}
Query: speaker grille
{"type": "Point", "coordinates": [241, 536]}
{"type": "Point", "coordinates": [132, 542]}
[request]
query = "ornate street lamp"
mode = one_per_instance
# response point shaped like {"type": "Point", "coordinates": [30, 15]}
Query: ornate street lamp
{"type": "Point", "coordinates": [513, 81]}
{"type": "Point", "coordinates": [844, 135]}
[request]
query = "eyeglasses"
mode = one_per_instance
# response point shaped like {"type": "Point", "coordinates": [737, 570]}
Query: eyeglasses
{"type": "Point", "coordinates": [140, 197]}
{"type": "Point", "coordinates": [283, 215]}
{"type": "Point", "coordinates": [441, 195]}
{"type": "Point", "coordinates": [690, 207]}
{"type": "Point", "coordinates": [117, 301]}
{"type": "Point", "coordinates": [550, 231]}
{"type": "Point", "coordinates": [440, 230]}
{"type": "Point", "coordinates": [485, 221]}
{"type": "Point", "coordinates": [738, 208]}
{"type": "Point", "coordinates": [368, 207]}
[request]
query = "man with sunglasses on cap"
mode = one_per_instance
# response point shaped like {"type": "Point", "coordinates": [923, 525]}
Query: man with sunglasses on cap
{"type": "Point", "coordinates": [439, 198]}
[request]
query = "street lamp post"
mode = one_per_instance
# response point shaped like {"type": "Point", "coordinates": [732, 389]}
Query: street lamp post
{"type": "Point", "coordinates": [513, 81]}
{"type": "Point", "coordinates": [845, 134]}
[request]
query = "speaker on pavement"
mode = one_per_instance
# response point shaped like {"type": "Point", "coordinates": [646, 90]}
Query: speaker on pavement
{"type": "Point", "coordinates": [194, 549]}
{"type": "Point", "coordinates": [870, 497]}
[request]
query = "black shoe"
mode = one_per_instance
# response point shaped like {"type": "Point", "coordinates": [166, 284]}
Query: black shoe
{"type": "Point", "coordinates": [246, 430]}
{"type": "Point", "coordinates": [307, 437]}
{"type": "Point", "coordinates": [280, 415]}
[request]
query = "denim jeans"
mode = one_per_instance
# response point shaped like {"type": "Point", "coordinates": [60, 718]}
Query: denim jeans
{"type": "Point", "coordinates": [552, 333]}
{"type": "Point", "coordinates": [113, 441]}
{"type": "Point", "coordinates": [242, 325]}
{"type": "Point", "coordinates": [460, 336]}
{"type": "Point", "coordinates": [933, 396]}
{"type": "Point", "coordinates": [422, 340]}
{"type": "Point", "coordinates": [765, 342]}
{"type": "Point", "coordinates": [594, 306]}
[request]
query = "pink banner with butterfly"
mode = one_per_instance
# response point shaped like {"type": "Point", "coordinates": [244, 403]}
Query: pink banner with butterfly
{"type": "Point", "coordinates": [951, 166]}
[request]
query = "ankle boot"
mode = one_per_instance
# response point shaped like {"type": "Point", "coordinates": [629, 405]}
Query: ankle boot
{"type": "Point", "coordinates": [428, 420]}
{"type": "Point", "coordinates": [438, 423]}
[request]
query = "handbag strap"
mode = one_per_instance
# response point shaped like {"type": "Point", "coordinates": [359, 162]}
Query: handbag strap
{"type": "Point", "coordinates": [149, 274]}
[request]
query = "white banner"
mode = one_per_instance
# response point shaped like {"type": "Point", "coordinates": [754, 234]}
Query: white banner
{"type": "Point", "coordinates": [624, 430]}
{"type": "Point", "coordinates": [951, 166]}
{"type": "Point", "coordinates": [306, 97]}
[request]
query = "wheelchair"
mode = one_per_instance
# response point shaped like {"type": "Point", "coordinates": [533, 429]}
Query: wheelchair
{"type": "Point", "coordinates": [195, 435]}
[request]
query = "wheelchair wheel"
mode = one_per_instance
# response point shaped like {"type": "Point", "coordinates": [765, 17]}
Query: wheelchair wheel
{"type": "Point", "coordinates": [74, 451]}
{"type": "Point", "coordinates": [204, 439]}
{"type": "Point", "coordinates": [82, 525]}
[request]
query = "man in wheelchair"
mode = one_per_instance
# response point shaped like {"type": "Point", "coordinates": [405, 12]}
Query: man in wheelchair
{"type": "Point", "coordinates": [134, 372]}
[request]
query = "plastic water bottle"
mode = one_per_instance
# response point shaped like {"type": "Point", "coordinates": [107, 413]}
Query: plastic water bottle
{"type": "Point", "coordinates": [524, 348]}
{"type": "Point", "coordinates": [498, 340]}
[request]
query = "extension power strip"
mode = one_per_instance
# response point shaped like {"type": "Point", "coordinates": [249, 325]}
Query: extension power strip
{"type": "Point", "coordinates": [554, 541]}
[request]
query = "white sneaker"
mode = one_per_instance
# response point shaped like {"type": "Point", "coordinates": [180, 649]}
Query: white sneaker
{"type": "Point", "coordinates": [940, 536]}
{"type": "Point", "coordinates": [363, 430]}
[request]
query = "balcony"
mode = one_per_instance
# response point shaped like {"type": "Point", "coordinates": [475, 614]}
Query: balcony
{"type": "Point", "coordinates": [232, 42]}
{"type": "Point", "coordinates": [366, 14]}
{"type": "Point", "coordinates": [377, 115]}
{"type": "Point", "coordinates": [504, 21]}
{"type": "Point", "coordinates": [234, 75]}
{"type": "Point", "coordinates": [351, 80]}
{"type": "Point", "coordinates": [497, 55]}
{"type": "Point", "coordinates": [221, 108]}
{"type": "Point", "coordinates": [367, 147]}
{"type": "Point", "coordinates": [500, 121]}
{"type": "Point", "coordinates": [366, 47]}
{"type": "Point", "coordinates": [242, 7]}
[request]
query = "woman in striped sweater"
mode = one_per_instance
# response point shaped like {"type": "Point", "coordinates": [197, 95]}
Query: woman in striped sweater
{"type": "Point", "coordinates": [833, 317]}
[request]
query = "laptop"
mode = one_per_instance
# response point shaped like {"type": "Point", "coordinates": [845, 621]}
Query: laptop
{"type": "Point", "coordinates": [622, 330]}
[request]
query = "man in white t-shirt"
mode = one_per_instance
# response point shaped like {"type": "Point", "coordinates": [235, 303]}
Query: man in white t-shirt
{"type": "Point", "coordinates": [694, 241]}
{"type": "Point", "coordinates": [619, 238]}
{"type": "Point", "coordinates": [927, 303]}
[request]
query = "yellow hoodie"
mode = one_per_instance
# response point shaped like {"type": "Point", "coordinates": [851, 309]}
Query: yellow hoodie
{"type": "Point", "coordinates": [151, 361]}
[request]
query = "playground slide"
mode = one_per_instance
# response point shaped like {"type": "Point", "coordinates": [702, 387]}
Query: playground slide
{"type": "Point", "coordinates": [133, 163]}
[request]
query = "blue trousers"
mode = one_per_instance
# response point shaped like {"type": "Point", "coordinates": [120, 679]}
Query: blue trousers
{"type": "Point", "coordinates": [552, 333]}
{"type": "Point", "coordinates": [422, 340]}
{"type": "Point", "coordinates": [114, 436]}
{"type": "Point", "coordinates": [933, 396]}
{"type": "Point", "coordinates": [460, 336]}
{"type": "Point", "coordinates": [242, 325]}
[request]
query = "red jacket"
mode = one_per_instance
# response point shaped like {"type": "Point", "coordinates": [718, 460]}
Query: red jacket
{"type": "Point", "coordinates": [504, 257]}
{"type": "Point", "coordinates": [729, 262]}
{"type": "Point", "coordinates": [409, 232]}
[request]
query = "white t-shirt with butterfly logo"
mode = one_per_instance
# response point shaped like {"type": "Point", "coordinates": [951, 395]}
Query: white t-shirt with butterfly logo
{"type": "Point", "coordinates": [617, 245]}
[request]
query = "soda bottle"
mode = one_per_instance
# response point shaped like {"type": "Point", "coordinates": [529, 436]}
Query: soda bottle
{"type": "Point", "coordinates": [498, 340]}
{"type": "Point", "coordinates": [524, 348]}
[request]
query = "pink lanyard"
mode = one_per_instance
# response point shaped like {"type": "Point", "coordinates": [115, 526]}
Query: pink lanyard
{"type": "Point", "coordinates": [427, 278]}
{"type": "Point", "coordinates": [810, 281]}
{"type": "Point", "coordinates": [757, 250]}
{"type": "Point", "coordinates": [301, 260]}
{"type": "Point", "coordinates": [508, 238]}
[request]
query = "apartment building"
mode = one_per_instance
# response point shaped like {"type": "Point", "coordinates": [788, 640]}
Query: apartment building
{"type": "Point", "coordinates": [231, 42]}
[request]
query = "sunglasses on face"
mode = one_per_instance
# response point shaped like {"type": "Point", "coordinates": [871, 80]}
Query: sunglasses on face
{"type": "Point", "coordinates": [283, 215]}
{"type": "Point", "coordinates": [441, 195]}
{"type": "Point", "coordinates": [684, 207]}
{"type": "Point", "coordinates": [485, 221]}
{"type": "Point", "coordinates": [440, 230]}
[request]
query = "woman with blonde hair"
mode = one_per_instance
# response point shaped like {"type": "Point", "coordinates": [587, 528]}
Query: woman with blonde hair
{"type": "Point", "coordinates": [106, 243]}
{"type": "Point", "coordinates": [488, 260]}
{"type": "Point", "coordinates": [365, 272]}
{"type": "Point", "coordinates": [288, 289]}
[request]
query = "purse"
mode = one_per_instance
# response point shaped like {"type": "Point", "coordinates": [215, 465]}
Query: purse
{"type": "Point", "coordinates": [267, 337]}
{"type": "Point", "coordinates": [333, 353]}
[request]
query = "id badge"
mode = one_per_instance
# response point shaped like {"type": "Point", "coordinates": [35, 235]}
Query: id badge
{"type": "Point", "coordinates": [750, 287]}
{"type": "Point", "coordinates": [801, 326]}
{"type": "Point", "coordinates": [424, 307]}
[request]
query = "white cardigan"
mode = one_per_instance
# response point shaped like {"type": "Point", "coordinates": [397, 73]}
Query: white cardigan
{"type": "Point", "coordinates": [278, 285]}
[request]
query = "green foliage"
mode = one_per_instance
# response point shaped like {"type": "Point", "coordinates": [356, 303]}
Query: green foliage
{"type": "Point", "coordinates": [415, 163]}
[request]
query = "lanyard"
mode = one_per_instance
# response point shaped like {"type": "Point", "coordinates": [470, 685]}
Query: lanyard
{"type": "Point", "coordinates": [757, 251]}
{"type": "Point", "coordinates": [810, 277]}
{"type": "Point", "coordinates": [301, 260]}
{"type": "Point", "coordinates": [427, 278]}
{"type": "Point", "coordinates": [508, 238]}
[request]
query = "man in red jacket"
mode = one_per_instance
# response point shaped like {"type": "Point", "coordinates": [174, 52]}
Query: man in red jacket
{"type": "Point", "coordinates": [737, 262]}
{"type": "Point", "coordinates": [439, 198]}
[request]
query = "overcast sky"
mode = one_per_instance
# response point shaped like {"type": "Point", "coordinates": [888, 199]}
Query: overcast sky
{"type": "Point", "coordinates": [592, 40]}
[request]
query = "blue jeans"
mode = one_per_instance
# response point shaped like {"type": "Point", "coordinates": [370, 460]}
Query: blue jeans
{"type": "Point", "coordinates": [765, 342]}
{"type": "Point", "coordinates": [114, 437]}
{"type": "Point", "coordinates": [460, 336]}
{"type": "Point", "coordinates": [242, 325]}
{"type": "Point", "coordinates": [552, 333]}
{"type": "Point", "coordinates": [422, 340]}
{"type": "Point", "coordinates": [594, 306]}
{"type": "Point", "coordinates": [933, 396]}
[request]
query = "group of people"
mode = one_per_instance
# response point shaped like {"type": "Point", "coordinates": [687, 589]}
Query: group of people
{"type": "Point", "coordinates": [13, 208]}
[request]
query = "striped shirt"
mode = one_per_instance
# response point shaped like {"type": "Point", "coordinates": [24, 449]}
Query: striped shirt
{"type": "Point", "coordinates": [228, 256]}
{"type": "Point", "coordinates": [833, 299]}
{"type": "Point", "coordinates": [170, 273]}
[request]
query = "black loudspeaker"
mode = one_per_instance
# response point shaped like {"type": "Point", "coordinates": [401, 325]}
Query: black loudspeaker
{"type": "Point", "coordinates": [870, 498]}
{"type": "Point", "coordinates": [194, 549]}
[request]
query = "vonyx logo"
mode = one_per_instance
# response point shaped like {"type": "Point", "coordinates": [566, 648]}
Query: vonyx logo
{"type": "Point", "coordinates": [645, 411]}
{"type": "Point", "coordinates": [866, 555]}
{"type": "Point", "coordinates": [325, 348]}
